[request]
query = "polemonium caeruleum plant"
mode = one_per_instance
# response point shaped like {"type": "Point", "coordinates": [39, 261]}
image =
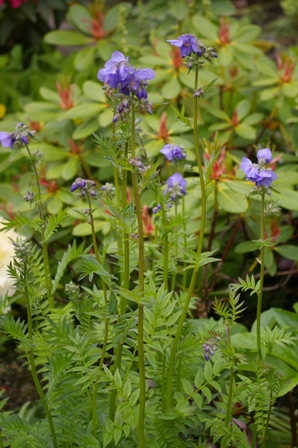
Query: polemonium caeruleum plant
{"type": "Point", "coordinates": [260, 174]}
{"type": "Point", "coordinates": [194, 52]}
{"type": "Point", "coordinates": [127, 85]}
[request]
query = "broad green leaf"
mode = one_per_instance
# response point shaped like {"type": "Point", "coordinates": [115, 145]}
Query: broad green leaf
{"type": "Point", "coordinates": [171, 89]}
{"type": "Point", "coordinates": [231, 201]}
{"type": "Point", "coordinates": [152, 60]}
{"type": "Point", "coordinates": [84, 58]}
{"type": "Point", "coordinates": [85, 129]}
{"type": "Point", "coordinates": [290, 89]}
{"type": "Point", "coordinates": [288, 251]}
{"type": "Point", "coordinates": [54, 205]}
{"type": "Point", "coordinates": [93, 90]}
{"type": "Point", "coordinates": [269, 261]}
{"type": "Point", "coordinates": [264, 82]}
{"type": "Point", "coordinates": [104, 50]}
{"type": "Point", "coordinates": [219, 126]}
{"type": "Point", "coordinates": [208, 371]}
{"type": "Point", "coordinates": [118, 379]}
{"type": "Point", "coordinates": [187, 386]}
{"type": "Point", "coordinates": [245, 131]}
{"type": "Point", "coordinates": [226, 55]}
{"type": "Point", "coordinates": [247, 33]}
{"type": "Point", "coordinates": [289, 385]}
{"type": "Point", "coordinates": [86, 110]}
{"type": "Point", "coordinates": [70, 168]}
{"type": "Point", "coordinates": [179, 10]}
{"type": "Point", "coordinates": [105, 118]}
{"type": "Point", "coordinates": [267, 67]}
{"type": "Point", "coordinates": [114, 14]}
{"type": "Point", "coordinates": [80, 17]}
{"type": "Point", "coordinates": [253, 119]}
{"type": "Point", "coordinates": [66, 38]}
{"type": "Point", "coordinates": [243, 109]}
{"type": "Point", "coordinates": [49, 95]}
{"type": "Point", "coordinates": [287, 198]}
{"type": "Point", "coordinates": [268, 94]}
{"type": "Point", "coordinates": [245, 246]}
{"type": "Point", "coordinates": [246, 48]}
{"type": "Point", "coordinates": [50, 152]}
{"type": "Point", "coordinates": [220, 114]}
{"type": "Point", "coordinates": [205, 27]}
{"type": "Point", "coordinates": [42, 111]}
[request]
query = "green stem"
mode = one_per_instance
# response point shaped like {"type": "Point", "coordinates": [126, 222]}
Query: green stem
{"type": "Point", "coordinates": [165, 249]}
{"type": "Point", "coordinates": [199, 251]}
{"type": "Point", "coordinates": [46, 263]}
{"type": "Point", "coordinates": [184, 245]}
{"type": "Point", "coordinates": [230, 396]}
{"type": "Point", "coordinates": [124, 283]}
{"type": "Point", "coordinates": [32, 363]}
{"type": "Point", "coordinates": [260, 293]}
{"type": "Point", "coordinates": [141, 355]}
{"type": "Point", "coordinates": [267, 425]}
{"type": "Point", "coordinates": [106, 321]}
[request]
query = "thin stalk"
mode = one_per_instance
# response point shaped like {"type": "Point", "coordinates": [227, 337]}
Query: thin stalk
{"type": "Point", "coordinates": [230, 396]}
{"type": "Point", "coordinates": [32, 363]}
{"type": "Point", "coordinates": [46, 263]}
{"type": "Point", "coordinates": [106, 321]}
{"type": "Point", "coordinates": [124, 282]}
{"type": "Point", "coordinates": [199, 251]}
{"type": "Point", "coordinates": [265, 433]}
{"type": "Point", "coordinates": [141, 355]}
{"type": "Point", "coordinates": [184, 245]}
{"type": "Point", "coordinates": [1, 441]}
{"type": "Point", "coordinates": [176, 249]}
{"type": "Point", "coordinates": [260, 293]}
{"type": "Point", "coordinates": [165, 249]}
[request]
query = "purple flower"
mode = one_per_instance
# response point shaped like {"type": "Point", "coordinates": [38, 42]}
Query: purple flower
{"type": "Point", "coordinates": [7, 139]}
{"type": "Point", "coordinates": [187, 43]}
{"type": "Point", "coordinates": [18, 138]}
{"type": "Point", "coordinates": [264, 155]}
{"type": "Point", "coordinates": [119, 74]}
{"type": "Point", "coordinates": [256, 172]}
{"type": "Point", "coordinates": [172, 152]}
{"type": "Point", "coordinates": [176, 186]}
{"type": "Point", "coordinates": [85, 186]}
{"type": "Point", "coordinates": [116, 70]}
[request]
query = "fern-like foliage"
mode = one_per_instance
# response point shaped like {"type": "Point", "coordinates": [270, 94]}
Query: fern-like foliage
{"type": "Point", "coordinates": [52, 224]}
{"type": "Point", "coordinates": [249, 284]}
{"type": "Point", "coordinates": [71, 254]}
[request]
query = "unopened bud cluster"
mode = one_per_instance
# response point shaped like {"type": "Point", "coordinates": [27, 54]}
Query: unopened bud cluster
{"type": "Point", "coordinates": [85, 186]}
{"type": "Point", "coordinates": [210, 346]}
{"type": "Point", "coordinates": [22, 250]}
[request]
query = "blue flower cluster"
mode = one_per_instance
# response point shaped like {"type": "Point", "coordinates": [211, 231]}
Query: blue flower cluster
{"type": "Point", "coordinates": [84, 185]}
{"type": "Point", "coordinates": [18, 138]}
{"type": "Point", "coordinates": [119, 74]}
{"type": "Point", "coordinates": [188, 44]}
{"type": "Point", "coordinates": [173, 152]}
{"type": "Point", "coordinates": [257, 172]}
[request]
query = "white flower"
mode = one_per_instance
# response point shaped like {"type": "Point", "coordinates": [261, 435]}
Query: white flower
{"type": "Point", "coordinates": [6, 256]}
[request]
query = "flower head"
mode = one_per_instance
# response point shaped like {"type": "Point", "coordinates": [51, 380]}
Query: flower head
{"type": "Point", "coordinates": [187, 43]}
{"type": "Point", "coordinates": [84, 186]}
{"type": "Point", "coordinates": [264, 155]}
{"type": "Point", "coordinates": [116, 70]}
{"type": "Point", "coordinates": [257, 172]}
{"type": "Point", "coordinates": [173, 152]}
{"type": "Point", "coordinates": [176, 186]}
{"type": "Point", "coordinates": [18, 138]}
